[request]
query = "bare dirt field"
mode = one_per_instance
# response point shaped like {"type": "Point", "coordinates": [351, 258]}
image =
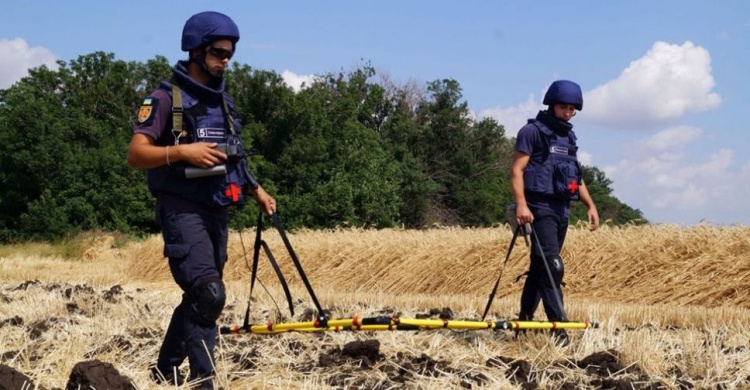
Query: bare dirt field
{"type": "Point", "coordinates": [673, 303]}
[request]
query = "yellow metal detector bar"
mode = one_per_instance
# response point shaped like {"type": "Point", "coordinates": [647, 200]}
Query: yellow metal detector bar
{"type": "Point", "coordinates": [322, 323]}
{"type": "Point", "coordinates": [404, 324]}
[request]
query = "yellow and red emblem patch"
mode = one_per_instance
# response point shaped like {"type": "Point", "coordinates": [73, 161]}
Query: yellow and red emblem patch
{"type": "Point", "coordinates": [147, 109]}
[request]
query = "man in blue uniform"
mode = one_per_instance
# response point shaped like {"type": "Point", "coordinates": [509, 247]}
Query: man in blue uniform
{"type": "Point", "coordinates": [188, 137]}
{"type": "Point", "coordinates": [545, 177]}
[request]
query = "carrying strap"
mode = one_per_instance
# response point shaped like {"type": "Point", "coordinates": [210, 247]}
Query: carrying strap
{"type": "Point", "coordinates": [176, 113]}
{"type": "Point", "coordinates": [529, 229]}
{"type": "Point", "coordinates": [303, 276]}
{"type": "Point", "coordinates": [260, 243]}
{"type": "Point", "coordinates": [519, 231]}
{"type": "Point", "coordinates": [228, 113]}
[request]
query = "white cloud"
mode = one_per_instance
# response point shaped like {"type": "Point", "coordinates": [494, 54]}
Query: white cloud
{"type": "Point", "coordinates": [673, 138]}
{"type": "Point", "coordinates": [678, 186]}
{"type": "Point", "coordinates": [690, 197]}
{"type": "Point", "coordinates": [514, 117]}
{"type": "Point", "coordinates": [666, 83]}
{"type": "Point", "coordinates": [16, 57]}
{"type": "Point", "coordinates": [297, 82]}
{"type": "Point", "coordinates": [585, 158]}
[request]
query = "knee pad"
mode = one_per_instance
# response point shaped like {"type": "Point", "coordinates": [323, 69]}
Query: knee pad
{"type": "Point", "coordinates": [557, 269]}
{"type": "Point", "coordinates": [207, 300]}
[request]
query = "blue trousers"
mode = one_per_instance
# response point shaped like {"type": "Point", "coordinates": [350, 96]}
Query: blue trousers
{"type": "Point", "coordinates": [196, 245]}
{"type": "Point", "coordinates": [550, 228]}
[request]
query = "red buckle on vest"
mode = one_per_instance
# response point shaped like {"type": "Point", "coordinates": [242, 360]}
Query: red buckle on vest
{"type": "Point", "coordinates": [233, 192]}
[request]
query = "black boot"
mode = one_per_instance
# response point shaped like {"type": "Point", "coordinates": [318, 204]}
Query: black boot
{"type": "Point", "coordinates": [560, 337]}
{"type": "Point", "coordinates": [167, 377]}
{"type": "Point", "coordinates": [523, 317]}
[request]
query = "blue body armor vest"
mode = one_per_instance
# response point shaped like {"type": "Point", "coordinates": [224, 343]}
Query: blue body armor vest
{"type": "Point", "coordinates": [205, 120]}
{"type": "Point", "coordinates": [559, 174]}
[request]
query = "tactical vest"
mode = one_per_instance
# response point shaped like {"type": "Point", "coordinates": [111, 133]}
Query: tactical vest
{"type": "Point", "coordinates": [195, 120]}
{"type": "Point", "coordinates": [559, 174]}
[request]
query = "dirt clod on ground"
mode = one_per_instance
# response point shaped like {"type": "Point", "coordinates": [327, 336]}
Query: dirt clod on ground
{"type": "Point", "coordinates": [366, 348]}
{"type": "Point", "coordinates": [95, 374]}
{"type": "Point", "coordinates": [11, 379]}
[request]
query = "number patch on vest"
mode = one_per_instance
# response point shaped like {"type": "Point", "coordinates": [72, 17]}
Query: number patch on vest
{"type": "Point", "coordinates": [211, 132]}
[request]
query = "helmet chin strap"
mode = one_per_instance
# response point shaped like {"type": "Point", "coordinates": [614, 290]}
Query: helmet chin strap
{"type": "Point", "coordinates": [201, 61]}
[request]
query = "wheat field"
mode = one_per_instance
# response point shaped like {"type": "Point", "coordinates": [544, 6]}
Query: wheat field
{"type": "Point", "coordinates": [673, 303]}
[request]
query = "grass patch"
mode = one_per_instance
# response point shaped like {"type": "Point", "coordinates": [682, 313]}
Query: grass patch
{"type": "Point", "coordinates": [70, 248]}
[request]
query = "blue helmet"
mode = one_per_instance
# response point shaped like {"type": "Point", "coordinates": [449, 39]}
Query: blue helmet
{"type": "Point", "coordinates": [566, 92]}
{"type": "Point", "coordinates": [203, 28]}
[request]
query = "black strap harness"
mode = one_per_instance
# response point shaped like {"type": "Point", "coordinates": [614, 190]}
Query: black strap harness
{"type": "Point", "coordinates": [525, 230]}
{"type": "Point", "coordinates": [260, 243]}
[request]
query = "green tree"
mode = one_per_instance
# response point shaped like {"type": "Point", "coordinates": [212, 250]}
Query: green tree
{"type": "Point", "coordinates": [344, 151]}
{"type": "Point", "coordinates": [463, 158]}
{"type": "Point", "coordinates": [333, 170]}
{"type": "Point", "coordinates": [64, 136]}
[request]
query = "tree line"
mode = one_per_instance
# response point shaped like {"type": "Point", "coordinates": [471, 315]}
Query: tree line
{"type": "Point", "coordinates": [351, 149]}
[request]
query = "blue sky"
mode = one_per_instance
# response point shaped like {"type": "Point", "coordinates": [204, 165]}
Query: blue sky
{"type": "Point", "coordinates": [665, 82]}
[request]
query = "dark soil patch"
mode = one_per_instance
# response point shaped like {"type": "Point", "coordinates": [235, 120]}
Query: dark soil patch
{"type": "Point", "coordinates": [38, 328]}
{"type": "Point", "coordinates": [310, 314]}
{"type": "Point", "coordinates": [307, 315]}
{"type": "Point", "coordinates": [444, 314]}
{"type": "Point", "coordinates": [733, 350]}
{"type": "Point", "coordinates": [569, 364]}
{"type": "Point", "coordinates": [341, 379]}
{"type": "Point", "coordinates": [570, 386]}
{"type": "Point", "coordinates": [408, 367]}
{"type": "Point", "coordinates": [684, 384]}
{"type": "Point", "coordinates": [116, 343]}
{"type": "Point", "coordinates": [73, 308]}
{"type": "Point", "coordinates": [245, 361]}
{"type": "Point", "coordinates": [606, 363]}
{"type": "Point", "coordinates": [10, 379]}
{"type": "Point", "coordinates": [612, 384]}
{"type": "Point", "coordinates": [145, 333]}
{"type": "Point", "coordinates": [78, 289]}
{"type": "Point", "coordinates": [350, 380]}
{"type": "Point", "coordinates": [388, 310]}
{"type": "Point", "coordinates": [295, 346]}
{"type": "Point", "coordinates": [96, 374]}
{"type": "Point", "coordinates": [113, 294]}
{"type": "Point", "coordinates": [326, 360]}
{"type": "Point", "coordinates": [13, 321]}
{"type": "Point", "coordinates": [472, 380]}
{"type": "Point", "coordinates": [362, 353]}
{"type": "Point", "coordinates": [8, 356]}
{"type": "Point", "coordinates": [29, 283]}
{"type": "Point", "coordinates": [5, 299]}
{"type": "Point", "coordinates": [517, 371]}
{"type": "Point", "coordinates": [369, 349]}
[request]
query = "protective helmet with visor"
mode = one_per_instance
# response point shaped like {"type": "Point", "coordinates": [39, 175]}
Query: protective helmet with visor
{"type": "Point", "coordinates": [206, 27]}
{"type": "Point", "coordinates": [564, 92]}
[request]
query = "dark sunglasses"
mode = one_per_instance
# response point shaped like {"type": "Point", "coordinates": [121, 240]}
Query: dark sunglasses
{"type": "Point", "coordinates": [222, 54]}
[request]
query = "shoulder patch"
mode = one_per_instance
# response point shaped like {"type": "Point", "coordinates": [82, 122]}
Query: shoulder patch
{"type": "Point", "coordinates": [147, 110]}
